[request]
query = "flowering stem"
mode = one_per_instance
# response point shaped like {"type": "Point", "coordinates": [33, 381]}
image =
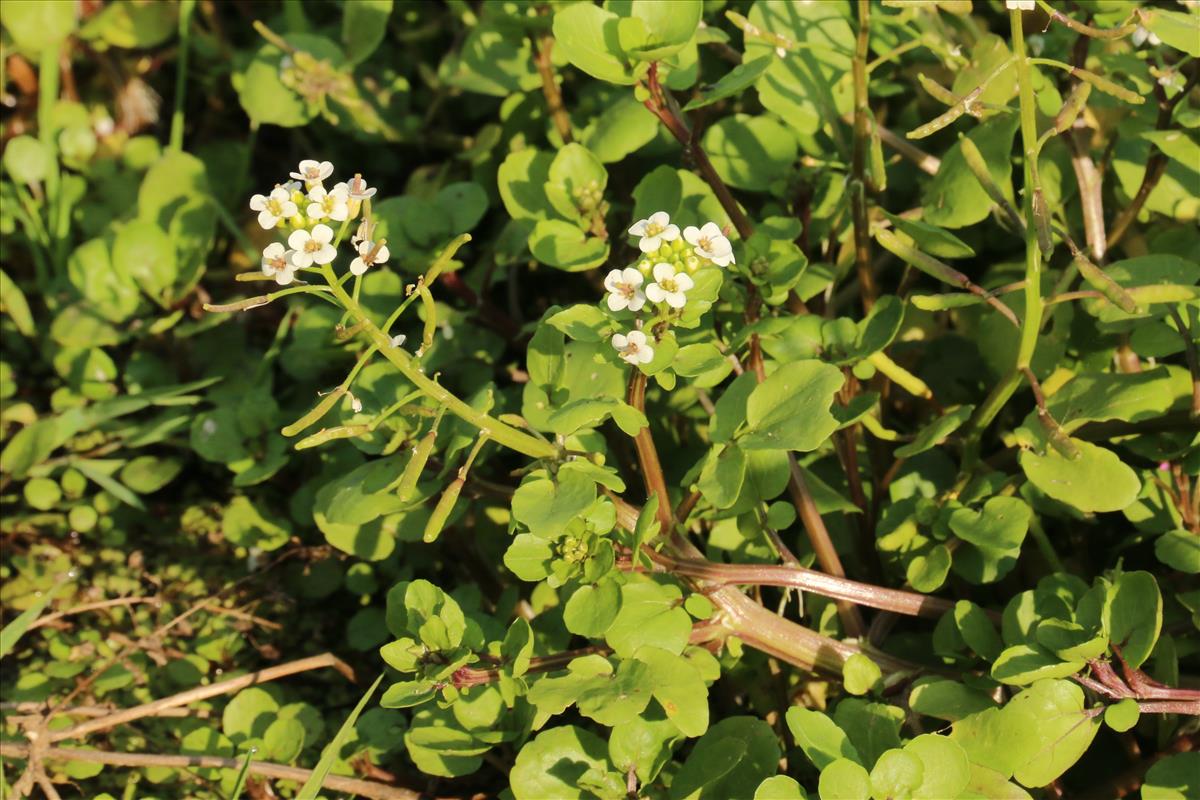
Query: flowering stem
{"type": "Point", "coordinates": [858, 190]}
{"type": "Point", "coordinates": [545, 67]}
{"type": "Point", "coordinates": [186, 7]}
{"type": "Point", "coordinates": [652, 474]}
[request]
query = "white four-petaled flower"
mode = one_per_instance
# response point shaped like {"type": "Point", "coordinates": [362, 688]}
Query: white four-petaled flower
{"type": "Point", "coordinates": [369, 254]}
{"type": "Point", "coordinates": [312, 247]}
{"type": "Point", "coordinates": [312, 171]}
{"type": "Point", "coordinates": [654, 231]}
{"type": "Point", "coordinates": [1020, 5]}
{"type": "Point", "coordinates": [633, 348]}
{"type": "Point", "coordinates": [277, 263]}
{"type": "Point", "coordinates": [669, 286]}
{"type": "Point", "coordinates": [710, 243]}
{"type": "Point", "coordinates": [333, 204]}
{"type": "Point", "coordinates": [625, 289]}
{"type": "Point", "coordinates": [274, 207]}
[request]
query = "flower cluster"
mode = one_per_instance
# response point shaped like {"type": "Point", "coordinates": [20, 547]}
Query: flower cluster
{"type": "Point", "coordinates": [663, 277]}
{"type": "Point", "coordinates": [303, 208]}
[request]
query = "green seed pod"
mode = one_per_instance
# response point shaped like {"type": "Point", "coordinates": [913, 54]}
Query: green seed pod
{"type": "Point", "coordinates": [1099, 280]}
{"type": "Point", "coordinates": [1108, 87]}
{"type": "Point", "coordinates": [441, 512]}
{"type": "Point", "coordinates": [1072, 107]}
{"type": "Point", "coordinates": [922, 261]}
{"type": "Point", "coordinates": [330, 434]}
{"type": "Point", "coordinates": [1163, 293]}
{"type": "Point", "coordinates": [877, 166]}
{"type": "Point", "coordinates": [319, 410]}
{"type": "Point", "coordinates": [935, 89]}
{"type": "Point", "coordinates": [979, 169]}
{"type": "Point", "coordinates": [443, 260]}
{"type": "Point", "coordinates": [1059, 440]}
{"type": "Point", "coordinates": [240, 305]}
{"type": "Point", "coordinates": [416, 465]}
{"type": "Point", "coordinates": [944, 302]}
{"type": "Point", "coordinates": [430, 317]}
{"type": "Point", "coordinates": [1041, 223]}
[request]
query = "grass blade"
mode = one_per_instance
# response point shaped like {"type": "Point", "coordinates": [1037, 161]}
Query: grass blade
{"type": "Point", "coordinates": [241, 778]}
{"type": "Point", "coordinates": [14, 630]}
{"type": "Point", "coordinates": [313, 785]}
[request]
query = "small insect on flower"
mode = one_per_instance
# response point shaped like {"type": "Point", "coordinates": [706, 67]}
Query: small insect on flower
{"type": "Point", "coordinates": [273, 208]}
{"type": "Point", "coordinates": [312, 172]}
{"type": "Point", "coordinates": [359, 190]}
{"type": "Point", "coordinates": [625, 289]}
{"type": "Point", "coordinates": [1020, 5]}
{"type": "Point", "coordinates": [669, 286]}
{"type": "Point", "coordinates": [334, 204]}
{"type": "Point", "coordinates": [312, 247]}
{"type": "Point", "coordinates": [710, 243]}
{"type": "Point", "coordinates": [655, 230]}
{"type": "Point", "coordinates": [277, 263]}
{"type": "Point", "coordinates": [369, 254]}
{"type": "Point", "coordinates": [633, 348]}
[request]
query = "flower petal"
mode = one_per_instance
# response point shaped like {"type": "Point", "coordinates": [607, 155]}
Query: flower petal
{"type": "Point", "coordinates": [660, 218]}
{"type": "Point", "coordinates": [617, 302]}
{"type": "Point", "coordinates": [638, 338]}
{"type": "Point", "coordinates": [612, 280]}
{"type": "Point", "coordinates": [683, 282]}
{"type": "Point", "coordinates": [619, 341]}
{"type": "Point", "coordinates": [298, 239]}
{"type": "Point", "coordinates": [322, 233]}
{"type": "Point", "coordinates": [670, 233]}
{"type": "Point", "coordinates": [649, 244]}
{"type": "Point", "coordinates": [645, 355]}
{"type": "Point", "coordinates": [655, 293]}
{"type": "Point", "coordinates": [691, 234]}
{"type": "Point", "coordinates": [663, 271]}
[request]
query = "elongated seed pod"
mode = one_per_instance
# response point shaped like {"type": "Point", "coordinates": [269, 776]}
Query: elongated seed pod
{"type": "Point", "coordinates": [1108, 87]}
{"type": "Point", "coordinates": [877, 165]}
{"type": "Point", "coordinates": [944, 302]}
{"type": "Point", "coordinates": [331, 434]}
{"type": "Point", "coordinates": [935, 89]}
{"type": "Point", "coordinates": [1041, 223]}
{"type": "Point", "coordinates": [430, 316]}
{"type": "Point", "coordinates": [1100, 280]}
{"type": "Point", "coordinates": [922, 261]}
{"type": "Point", "coordinates": [240, 305]}
{"type": "Point", "coordinates": [318, 411]}
{"type": "Point", "coordinates": [1163, 293]}
{"type": "Point", "coordinates": [441, 512]}
{"type": "Point", "coordinates": [1072, 107]}
{"type": "Point", "coordinates": [1059, 440]}
{"type": "Point", "coordinates": [416, 465]}
{"type": "Point", "coordinates": [443, 260]}
{"type": "Point", "coordinates": [979, 168]}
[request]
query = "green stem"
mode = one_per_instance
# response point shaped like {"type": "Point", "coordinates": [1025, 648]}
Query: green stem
{"type": "Point", "coordinates": [500, 432]}
{"type": "Point", "coordinates": [48, 84]}
{"type": "Point", "coordinates": [186, 7]}
{"type": "Point", "coordinates": [1032, 320]}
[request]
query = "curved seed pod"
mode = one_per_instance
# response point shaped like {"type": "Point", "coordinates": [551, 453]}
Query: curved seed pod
{"type": "Point", "coordinates": [441, 512]}
{"type": "Point", "coordinates": [979, 168]}
{"type": "Point", "coordinates": [1072, 107]}
{"type": "Point", "coordinates": [331, 434]}
{"type": "Point", "coordinates": [1100, 280]}
{"type": "Point", "coordinates": [416, 465]}
{"type": "Point", "coordinates": [443, 260]}
{"type": "Point", "coordinates": [922, 261]}
{"type": "Point", "coordinates": [318, 411]}
{"type": "Point", "coordinates": [935, 89]}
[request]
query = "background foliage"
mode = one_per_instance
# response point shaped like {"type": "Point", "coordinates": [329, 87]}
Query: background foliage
{"type": "Point", "coordinates": [904, 505]}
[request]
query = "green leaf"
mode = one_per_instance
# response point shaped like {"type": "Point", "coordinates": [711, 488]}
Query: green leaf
{"type": "Point", "coordinates": [723, 474]}
{"type": "Point", "coordinates": [935, 433]}
{"type": "Point", "coordinates": [946, 769]}
{"type": "Point", "coordinates": [14, 630]}
{"type": "Point", "coordinates": [561, 763]}
{"type": "Point", "coordinates": [977, 630]}
{"type": "Point", "coordinates": [27, 160]}
{"type": "Point", "coordinates": [1179, 549]}
{"type": "Point", "coordinates": [779, 787]}
{"type": "Point", "coordinates": [897, 773]}
{"type": "Point", "coordinates": [591, 610]}
{"type": "Point", "coordinates": [872, 728]}
{"type": "Point", "coordinates": [800, 390]}
{"type": "Point", "coordinates": [563, 245]}
{"type": "Point", "coordinates": [521, 179]}
{"type": "Point", "coordinates": [1062, 730]}
{"type": "Point", "coordinates": [1023, 664]}
{"type": "Point", "coordinates": [545, 506]}
{"type": "Point", "coordinates": [955, 198]}
{"type": "Point", "coordinates": [860, 674]}
{"type": "Point", "coordinates": [12, 299]}
{"type": "Point", "coordinates": [1176, 777]}
{"type": "Point", "coordinates": [587, 36]}
{"type": "Point", "coordinates": [667, 25]}
{"type": "Point", "coordinates": [1097, 480]}
{"type": "Point", "coordinates": [1098, 396]}
{"type": "Point", "coordinates": [651, 614]}
{"type": "Point", "coordinates": [731, 760]}
{"type": "Point", "coordinates": [732, 82]}
{"type": "Point", "coordinates": [750, 152]}
{"type": "Point", "coordinates": [946, 699]}
{"type": "Point", "coordinates": [583, 323]}
{"type": "Point", "coordinates": [1133, 615]}
{"type": "Point", "coordinates": [620, 129]}
{"type": "Point", "coordinates": [844, 779]}
{"type": "Point", "coordinates": [820, 739]}
{"type": "Point", "coordinates": [35, 25]}
{"type": "Point", "coordinates": [1176, 28]}
{"type": "Point", "coordinates": [364, 24]}
{"type": "Point", "coordinates": [679, 688]}
{"type": "Point", "coordinates": [1123, 715]}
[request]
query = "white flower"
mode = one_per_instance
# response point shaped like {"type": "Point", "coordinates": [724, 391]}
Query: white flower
{"type": "Point", "coordinates": [359, 190]}
{"type": "Point", "coordinates": [669, 286]}
{"type": "Point", "coordinates": [277, 263]}
{"type": "Point", "coordinates": [710, 243]}
{"type": "Point", "coordinates": [633, 348]}
{"type": "Point", "coordinates": [274, 207]}
{"type": "Point", "coordinates": [313, 172]}
{"type": "Point", "coordinates": [333, 204]}
{"type": "Point", "coordinates": [293, 186]}
{"type": "Point", "coordinates": [654, 231]}
{"type": "Point", "coordinates": [625, 290]}
{"type": "Point", "coordinates": [1020, 5]}
{"type": "Point", "coordinates": [312, 247]}
{"type": "Point", "coordinates": [369, 254]}
{"type": "Point", "coordinates": [398, 341]}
